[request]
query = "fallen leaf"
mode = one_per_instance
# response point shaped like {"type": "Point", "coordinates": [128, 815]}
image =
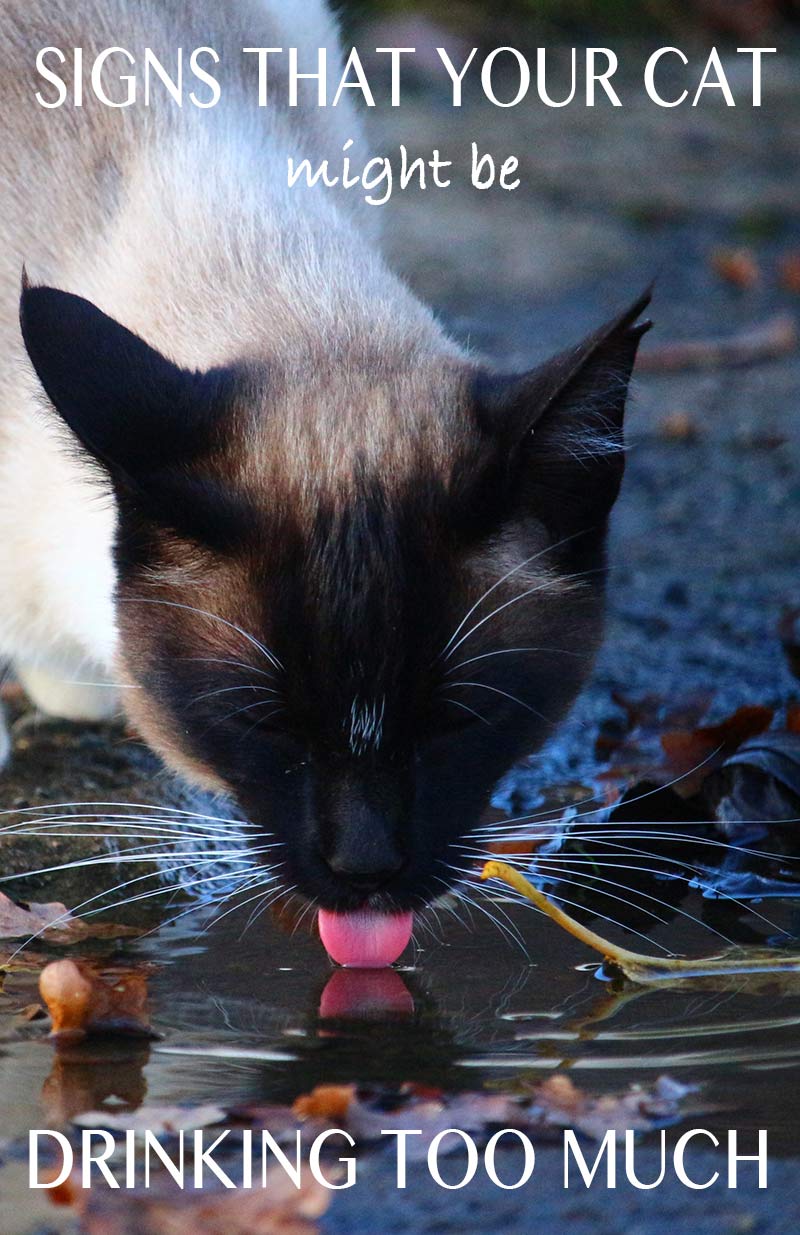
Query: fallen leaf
{"type": "Point", "coordinates": [524, 847]}
{"type": "Point", "coordinates": [331, 1102]}
{"type": "Point", "coordinates": [52, 923]}
{"type": "Point", "coordinates": [760, 782]}
{"type": "Point", "coordinates": [558, 1102]}
{"type": "Point", "coordinates": [692, 754]}
{"type": "Point", "coordinates": [83, 999]}
{"type": "Point", "coordinates": [678, 427]}
{"type": "Point", "coordinates": [555, 1103]}
{"type": "Point", "coordinates": [738, 267]}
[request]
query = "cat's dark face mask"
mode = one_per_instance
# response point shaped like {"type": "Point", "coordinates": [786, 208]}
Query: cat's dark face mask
{"type": "Point", "coordinates": [355, 651]}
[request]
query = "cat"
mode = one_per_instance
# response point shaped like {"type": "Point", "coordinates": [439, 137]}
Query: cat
{"type": "Point", "coordinates": [331, 564]}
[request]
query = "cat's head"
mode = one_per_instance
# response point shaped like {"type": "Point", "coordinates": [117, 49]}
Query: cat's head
{"type": "Point", "coordinates": [355, 589]}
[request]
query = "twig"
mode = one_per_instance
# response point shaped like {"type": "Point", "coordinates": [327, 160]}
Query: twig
{"type": "Point", "coordinates": [776, 337]}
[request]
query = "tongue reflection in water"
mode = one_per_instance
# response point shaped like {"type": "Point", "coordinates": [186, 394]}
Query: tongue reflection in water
{"type": "Point", "coordinates": [364, 994]}
{"type": "Point", "coordinates": [365, 940]}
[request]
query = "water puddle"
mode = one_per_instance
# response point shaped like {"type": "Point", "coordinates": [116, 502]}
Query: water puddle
{"type": "Point", "coordinates": [262, 1017]}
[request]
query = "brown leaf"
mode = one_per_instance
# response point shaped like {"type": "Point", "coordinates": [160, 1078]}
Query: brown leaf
{"type": "Point", "coordinates": [692, 754]}
{"type": "Point", "coordinates": [558, 1102]}
{"type": "Point", "coordinates": [738, 267]}
{"type": "Point", "coordinates": [83, 999]}
{"type": "Point", "coordinates": [52, 923]}
{"type": "Point", "coordinates": [678, 427]}
{"type": "Point", "coordinates": [522, 847]}
{"type": "Point", "coordinates": [330, 1102]}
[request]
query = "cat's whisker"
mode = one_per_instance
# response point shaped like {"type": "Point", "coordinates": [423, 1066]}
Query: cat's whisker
{"type": "Point", "coordinates": [261, 703]}
{"type": "Point", "coordinates": [563, 873]}
{"type": "Point", "coordinates": [462, 664]}
{"type": "Point", "coordinates": [507, 928]}
{"type": "Point", "coordinates": [222, 660]}
{"type": "Point", "coordinates": [312, 905]}
{"type": "Point", "coordinates": [599, 835]}
{"type": "Point", "coordinates": [184, 886]}
{"type": "Point", "coordinates": [557, 814]}
{"type": "Point", "coordinates": [517, 898]}
{"type": "Point", "coordinates": [445, 652]}
{"type": "Point", "coordinates": [101, 685]}
{"type": "Point", "coordinates": [255, 872]}
{"type": "Point", "coordinates": [144, 854]}
{"type": "Point", "coordinates": [733, 900]}
{"type": "Point", "coordinates": [542, 585]}
{"type": "Point", "coordinates": [76, 911]}
{"type": "Point", "coordinates": [271, 658]}
{"type": "Point", "coordinates": [229, 690]}
{"type": "Point", "coordinates": [465, 707]}
{"type": "Point", "coordinates": [602, 834]}
{"type": "Point", "coordinates": [260, 879]}
{"type": "Point", "coordinates": [165, 823]}
{"type": "Point", "coordinates": [171, 810]}
{"type": "Point", "coordinates": [496, 691]}
{"type": "Point", "coordinates": [268, 899]}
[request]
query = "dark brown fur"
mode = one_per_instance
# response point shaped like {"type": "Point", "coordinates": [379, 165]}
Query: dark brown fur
{"type": "Point", "coordinates": [287, 592]}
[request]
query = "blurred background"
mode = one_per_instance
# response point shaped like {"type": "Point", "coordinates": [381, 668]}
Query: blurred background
{"type": "Point", "coordinates": [706, 200]}
{"type": "Point", "coordinates": [735, 18]}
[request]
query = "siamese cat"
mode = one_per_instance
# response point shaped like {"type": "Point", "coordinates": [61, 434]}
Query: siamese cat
{"type": "Point", "coordinates": [330, 563]}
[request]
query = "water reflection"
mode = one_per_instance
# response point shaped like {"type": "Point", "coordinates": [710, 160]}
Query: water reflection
{"type": "Point", "coordinates": [363, 994]}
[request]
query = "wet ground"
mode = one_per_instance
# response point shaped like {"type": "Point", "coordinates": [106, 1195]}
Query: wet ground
{"type": "Point", "coordinates": [705, 552]}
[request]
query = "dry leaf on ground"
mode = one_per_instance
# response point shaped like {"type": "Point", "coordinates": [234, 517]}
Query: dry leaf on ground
{"type": "Point", "coordinates": [558, 1102]}
{"type": "Point", "coordinates": [330, 1102]}
{"type": "Point", "coordinates": [693, 754]}
{"type": "Point", "coordinates": [738, 267]}
{"type": "Point", "coordinates": [555, 1103]}
{"type": "Point", "coordinates": [678, 427]}
{"type": "Point", "coordinates": [52, 923]}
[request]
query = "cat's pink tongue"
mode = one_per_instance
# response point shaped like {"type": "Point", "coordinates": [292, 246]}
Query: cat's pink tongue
{"type": "Point", "coordinates": [365, 940]}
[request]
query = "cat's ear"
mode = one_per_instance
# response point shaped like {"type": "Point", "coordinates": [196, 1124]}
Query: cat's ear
{"type": "Point", "coordinates": [131, 408]}
{"type": "Point", "coordinates": [558, 429]}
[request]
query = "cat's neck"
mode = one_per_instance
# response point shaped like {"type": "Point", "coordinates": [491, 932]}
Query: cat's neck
{"type": "Point", "coordinates": [249, 268]}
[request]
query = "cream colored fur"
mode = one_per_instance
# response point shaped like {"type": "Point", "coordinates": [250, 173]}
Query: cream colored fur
{"type": "Point", "coordinates": [180, 224]}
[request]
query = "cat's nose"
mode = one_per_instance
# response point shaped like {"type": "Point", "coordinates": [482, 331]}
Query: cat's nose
{"type": "Point", "coordinates": [366, 872]}
{"type": "Point", "coordinates": [361, 828]}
